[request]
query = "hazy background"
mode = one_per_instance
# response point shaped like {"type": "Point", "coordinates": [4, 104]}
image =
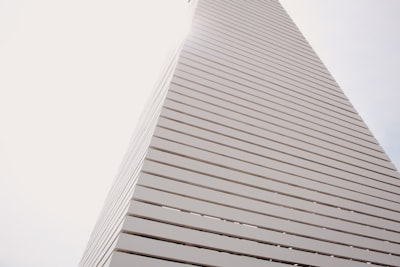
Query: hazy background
{"type": "Point", "coordinates": [75, 75]}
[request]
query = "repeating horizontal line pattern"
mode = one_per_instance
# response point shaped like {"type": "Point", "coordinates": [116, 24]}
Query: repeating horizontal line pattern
{"type": "Point", "coordinates": [103, 238]}
{"type": "Point", "coordinates": [255, 157]}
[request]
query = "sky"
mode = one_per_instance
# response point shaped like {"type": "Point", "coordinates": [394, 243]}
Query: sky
{"type": "Point", "coordinates": [75, 76]}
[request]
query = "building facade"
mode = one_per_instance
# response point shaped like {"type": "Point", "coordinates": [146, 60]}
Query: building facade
{"type": "Point", "coordinates": [249, 155]}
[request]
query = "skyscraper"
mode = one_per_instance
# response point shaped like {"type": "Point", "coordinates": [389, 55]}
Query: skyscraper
{"type": "Point", "coordinates": [250, 155]}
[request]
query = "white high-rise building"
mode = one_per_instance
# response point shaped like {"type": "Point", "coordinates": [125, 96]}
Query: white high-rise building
{"type": "Point", "coordinates": [250, 155]}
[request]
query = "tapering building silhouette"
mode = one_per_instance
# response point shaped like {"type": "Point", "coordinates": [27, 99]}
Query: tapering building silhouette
{"type": "Point", "coordinates": [249, 155]}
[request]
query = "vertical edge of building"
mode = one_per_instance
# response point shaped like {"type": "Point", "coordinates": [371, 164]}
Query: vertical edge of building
{"type": "Point", "coordinates": [102, 240]}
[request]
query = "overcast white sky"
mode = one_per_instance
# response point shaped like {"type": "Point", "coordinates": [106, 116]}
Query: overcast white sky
{"type": "Point", "coordinates": [75, 75]}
